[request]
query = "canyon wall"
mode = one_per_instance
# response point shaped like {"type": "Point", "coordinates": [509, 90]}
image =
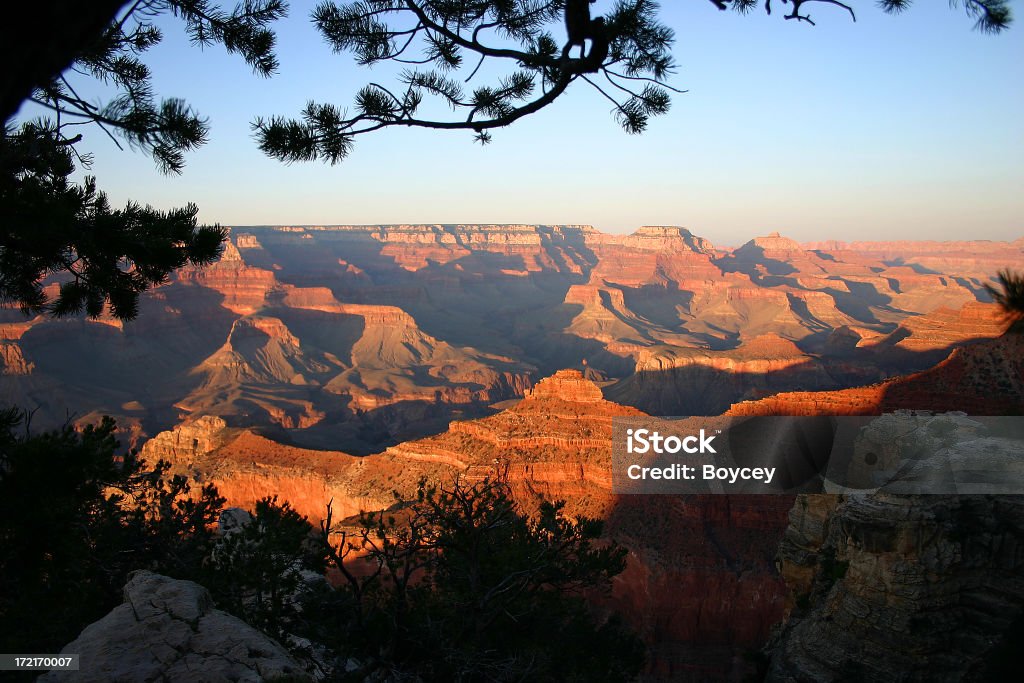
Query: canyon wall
{"type": "Point", "coordinates": [901, 588]}
{"type": "Point", "coordinates": [699, 580]}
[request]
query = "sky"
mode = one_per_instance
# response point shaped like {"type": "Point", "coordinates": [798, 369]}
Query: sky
{"type": "Point", "coordinates": [893, 127]}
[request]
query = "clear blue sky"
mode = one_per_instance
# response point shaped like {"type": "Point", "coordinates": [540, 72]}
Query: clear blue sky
{"type": "Point", "coordinates": [888, 128]}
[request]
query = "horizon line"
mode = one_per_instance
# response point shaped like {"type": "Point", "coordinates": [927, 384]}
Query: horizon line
{"type": "Point", "coordinates": [586, 227]}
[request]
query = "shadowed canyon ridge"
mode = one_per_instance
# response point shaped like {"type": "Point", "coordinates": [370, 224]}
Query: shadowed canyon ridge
{"type": "Point", "coordinates": [506, 351]}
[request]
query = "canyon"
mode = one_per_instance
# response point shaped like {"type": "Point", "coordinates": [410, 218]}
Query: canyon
{"type": "Point", "coordinates": [357, 338]}
{"type": "Point", "coordinates": [701, 584]}
{"type": "Point", "coordinates": [341, 364]}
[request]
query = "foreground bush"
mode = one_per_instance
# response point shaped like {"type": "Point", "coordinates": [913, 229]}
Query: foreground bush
{"type": "Point", "coordinates": [458, 584]}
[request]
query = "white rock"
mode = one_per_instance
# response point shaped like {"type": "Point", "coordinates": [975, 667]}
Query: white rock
{"type": "Point", "coordinates": [168, 630]}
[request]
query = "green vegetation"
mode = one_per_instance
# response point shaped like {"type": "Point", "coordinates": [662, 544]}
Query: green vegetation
{"type": "Point", "coordinates": [461, 585]}
{"type": "Point", "coordinates": [258, 570]}
{"type": "Point", "coordinates": [51, 226]}
{"type": "Point", "coordinates": [75, 520]}
{"type": "Point", "coordinates": [458, 584]}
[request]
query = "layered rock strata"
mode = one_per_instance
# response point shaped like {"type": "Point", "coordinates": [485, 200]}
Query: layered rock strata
{"type": "Point", "coordinates": [900, 588]}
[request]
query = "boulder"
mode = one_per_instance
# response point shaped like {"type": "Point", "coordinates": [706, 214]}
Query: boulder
{"type": "Point", "coordinates": [168, 630]}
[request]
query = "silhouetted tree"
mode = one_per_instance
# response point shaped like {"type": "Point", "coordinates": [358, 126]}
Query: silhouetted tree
{"type": "Point", "coordinates": [461, 585]}
{"type": "Point", "coordinates": [52, 227]}
{"type": "Point", "coordinates": [991, 16]}
{"type": "Point", "coordinates": [75, 519]}
{"type": "Point", "coordinates": [1010, 296]}
{"type": "Point", "coordinates": [259, 570]}
{"type": "Point", "coordinates": [167, 128]}
{"type": "Point", "coordinates": [63, 30]}
{"type": "Point", "coordinates": [56, 41]}
{"type": "Point", "coordinates": [625, 55]}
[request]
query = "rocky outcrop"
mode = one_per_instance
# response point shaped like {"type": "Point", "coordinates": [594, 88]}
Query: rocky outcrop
{"type": "Point", "coordinates": [566, 385]}
{"type": "Point", "coordinates": [556, 441]}
{"type": "Point", "coordinates": [247, 467]}
{"type": "Point", "coordinates": [169, 630]}
{"type": "Point", "coordinates": [660, 257]}
{"type": "Point", "coordinates": [774, 254]}
{"type": "Point", "coordinates": [946, 327]}
{"type": "Point", "coordinates": [772, 245]}
{"type": "Point", "coordinates": [666, 239]}
{"type": "Point", "coordinates": [899, 588]}
{"type": "Point", "coordinates": [527, 248]}
{"type": "Point", "coordinates": [970, 257]}
{"type": "Point", "coordinates": [244, 288]}
{"type": "Point", "coordinates": [247, 241]}
{"type": "Point", "coordinates": [317, 362]}
{"type": "Point", "coordinates": [857, 401]}
{"type": "Point", "coordinates": [12, 360]}
{"type": "Point", "coordinates": [330, 335]}
{"type": "Point", "coordinates": [187, 442]}
{"type": "Point", "coordinates": [700, 583]}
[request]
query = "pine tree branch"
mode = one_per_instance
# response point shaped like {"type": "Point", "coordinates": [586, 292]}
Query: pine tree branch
{"type": "Point", "coordinates": [458, 39]}
{"type": "Point", "coordinates": [608, 73]}
{"type": "Point", "coordinates": [89, 118]}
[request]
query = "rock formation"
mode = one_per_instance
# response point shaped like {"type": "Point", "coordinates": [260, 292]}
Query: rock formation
{"type": "Point", "coordinates": [699, 581]}
{"type": "Point", "coordinates": [187, 442]}
{"type": "Point", "coordinates": [399, 340]}
{"type": "Point", "coordinates": [700, 584]}
{"type": "Point", "coordinates": [168, 630]}
{"type": "Point", "coordinates": [12, 360]}
{"type": "Point", "coordinates": [899, 588]}
{"type": "Point", "coordinates": [567, 386]}
{"type": "Point", "coordinates": [975, 258]}
{"type": "Point", "coordinates": [673, 381]}
{"type": "Point", "coordinates": [943, 328]}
